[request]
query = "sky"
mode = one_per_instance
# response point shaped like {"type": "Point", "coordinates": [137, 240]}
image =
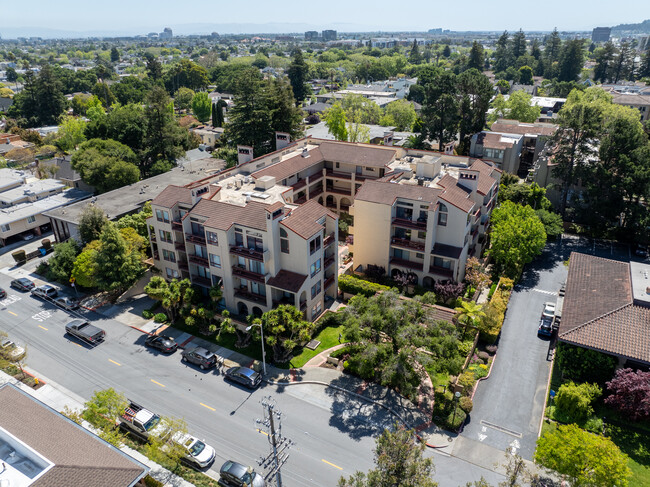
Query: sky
{"type": "Point", "coordinates": [142, 16]}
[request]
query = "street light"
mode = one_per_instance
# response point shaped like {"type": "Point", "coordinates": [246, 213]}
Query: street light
{"type": "Point", "coordinates": [249, 328]}
{"type": "Point", "coordinates": [456, 397]}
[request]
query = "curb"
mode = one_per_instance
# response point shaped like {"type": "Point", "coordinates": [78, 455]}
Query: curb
{"type": "Point", "coordinates": [548, 385]}
{"type": "Point", "coordinates": [494, 359]}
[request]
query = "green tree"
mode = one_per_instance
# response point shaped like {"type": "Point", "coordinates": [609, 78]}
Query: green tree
{"type": "Point", "coordinates": [446, 52]}
{"type": "Point", "coordinates": [130, 89]}
{"type": "Point", "coordinates": [117, 267]}
{"type": "Point", "coordinates": [217, 113]}
{"type": "Point", "coordinates": [11, 75]}
{"type": "Point", "coordinates": [516, 107]}
{"type": "Point", "coordinates": [102, 91]}
{"type": "Point", "coordinates": [402, 114]}
{"type": "Point", "coordinates": [604, 62]}
{"type": "Point", "coordinates": [137, 221]}
{"type": "Point", "coordinates": [336, 122]}
{"type": "Point", "coordinates": [85, 266]}
{"type": "Point", "coordinates": [475, 91]}
{"type": "Point", "coordinates": [91, 223]}
{"type": "Point", "coordinates": [583, 458]}
{"type": "Point", "coordinates": [476, 57]}
{"type": "Point", "coordinates": [284, 329]}
{"type": "Point", "coordinates": [202, 106]}
{"type": "Point", "coordinates": [502, 54]}
{"type": "Point", "coordinates": [170, 294]}
{"type": "Point", "coordinates": [469, 313]}
{"type": "Point", "coordinates": [584, 365]}
{"type": "Point", "coordinates": [104, 407]}
{"type": "Point", "coordinates": [298, 72]}
{"type": "Point", "coordinates": [70, 134]}
{"type": "Point", "coordinates": [571, 60]}
{"type": "Point", "coordinates": [115, 55]}
{"type": "Point", "coordinates": [188, 74]}
{"type": "Point", "coordinates": [399, 461]}
{"type": "Point", "coordinates": [285, 116]}
{"type": "Point", "coordinates": [41, 102]}
{"type": "Point", "coordinates": [106, 164]}
{"type": "Point", "coordinates": [574, 401]}
{"type": "Point", "coordinates": [526, 75]}
{"type": "Point", "coordinates": [414, 55]}
{"type": "Point", "coordinates": [183, 99]}
{"type": "Point", "coordinates": [62, 262]}
{"type": "Point", "coordinates": [154, 68]}
{"type": "Point", "coordinates": [441, 109]}
{"type": "Point", "coordinates": [518, 236]}
{"type": "Point", "coordinates": [360, 109]}
{"type": "Point", "coordinates": [552, 222]}
{"type": "Point", "coordinates": [623, 66]}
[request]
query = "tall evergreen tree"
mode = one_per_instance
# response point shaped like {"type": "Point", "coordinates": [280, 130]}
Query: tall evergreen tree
{"type": "Point", "coordinates": [476, 57]}
{"type": "Point", "coordinates": [571, 60]}
{"type": "Point", "coordinates": [42, 101]}
{"type": "Point", "coordinates": [475, 91]}
{"type": "Point", "coordinates": [644, 69]}
{"type": "Point", "coordinates": [285, 116]}
{"type": "Point", "coordinates": [518, 44]}
{"type": "Point", "coordinates": [552, 46]}
{"type": "Point", "coordinates": [117, 267]}
{"type": "Point", "coordinates": [623, 66]}
{"type": "Point", "coordinates": [441, 110]}
{"type": "Point", "coordinates": [154, 68]}
{"type": "Point", "coordinates": [414, 55]}
{"type": "Point", "coordinates": [604, 61]}
{"type": "Point", "coordinates": [502, 54]}
{"type": "Point", "coordinates": [217, 113]}
{"type": "Point", "coordinates": [298, 73]}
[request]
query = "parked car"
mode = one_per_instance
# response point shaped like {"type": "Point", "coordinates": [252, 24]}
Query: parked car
{"type": "Point", "coordinates": [562, 290]}
{"type": "Point", "coordinates": [45, 291]}
{"type": "Point", "coordinates": [549, 310]}
{"type": "Point", "coordinates": [545, 327]}
{"type": "Point", "coordinates": [3, 293]}
{"type": "Point", "coordinates": [199, 455]}
{"type": "Point", "coordinates": [66, 303]}
{"type": "Point", "coordinates": [85, 331]}
{"type": "Point", "coordinates": [641, 250]}
{"type": "Point", "coordinates": [22, 284]}
{"type": "Point", "coordinates": [11, 350]}
{"type": "Point", "coordinates": [162, 343]}
{"type": "Point", "coordinates": [233, 474]}
{"type": "Point", "coordinates": [244, 376]}
{"type": "Point", "coordinates": [200, 356]}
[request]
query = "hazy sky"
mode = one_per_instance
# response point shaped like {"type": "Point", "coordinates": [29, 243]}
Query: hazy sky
{"type": "Point", "coordinates": [142, 16]}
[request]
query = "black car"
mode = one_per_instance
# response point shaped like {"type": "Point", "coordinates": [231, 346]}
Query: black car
{"type": "Point", "coordinates": [3, 293]}
{"type": "Point", "coordinates": [22, 284]}
{"type": "Point", "coordinates": [244, 376]}
{"type": "Point", "coordinates": [163, 343]}
{"type": "Point", "coordinates": [233, 474]}
{"type": "Point", "coordinates": [200, 356]}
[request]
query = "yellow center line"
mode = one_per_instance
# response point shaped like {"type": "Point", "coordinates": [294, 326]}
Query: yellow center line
{"type": "Point", "coordinates": [114, 362]}
{"type": "Point", "coordinates": [42, 327]}
{"type": "Point", "coordinates": [331, 464]}
{"type": "Point", "coordinates": [158, 383]}
{"type": "Point", "coordinates": [11, 312]}
{"type": "Point", "coordinates": [263, 432]}
{"type": "Point", "coordinates": [206, 406]}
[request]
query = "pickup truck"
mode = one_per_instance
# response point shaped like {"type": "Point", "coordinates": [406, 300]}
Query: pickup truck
{"type": "Point", "coordinates": [141, 422]}
{"type": "Point", "coordinates": [85, 331]}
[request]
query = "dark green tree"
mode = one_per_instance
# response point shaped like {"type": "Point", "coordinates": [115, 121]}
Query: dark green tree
{"type": "Point", "coordinates": [571, 60]}
{"type": "Point", "coordinates": [526, 75]}
{"type": "Point", "coordinates": [102, 91]}
{"type": "Point", "coordinates": [117, 266]}
{"type": "Point", "coordinates": [475, 91]}
{"type": "Point", "coordinates": [518, 44]}
{"type": "Point", "coordinates": [446, 52]}
{"type": "Point", "coordinates": [285, 116]}
{"type": "Point", "coordinates": [604, 62]}
{"type": "Point", "coordinates": [623, 66]}
{"type": "Point", "coordinates": [106, 164]}
{"type": "Point", "coordinates": [41, 102]}
{"type": "Point", "coordinates": [552, 47]}
{"type": "Point", "coordinates": [441, 109]}
{"type": "Point", "coordinates": [187, 74]}
{"type": "Point", "coordinates": [298, 73]}
{"type": "Point", "coordinates": [115, 55]}
{"type": "Point", "coordinates": [62, 262]}
{"type": "Point", "coordinates": [130, 89]}
{"type": "Point", "coordinates": [502, 54]}
{"type": "Point", "coordinates": [154, 68]}
{"type": "Point", "coordinates": [91, 223]}
{"type": "Point", "coordinates": [414, 55]}
{"type": "Point", "coordinates": [202, 106]}
{"type": "Point", "coordinates": [476, 57]}
{"type": "Point", "coordinates": [11, 74]}
{"type": "Point", "coordinates": [217, 113]}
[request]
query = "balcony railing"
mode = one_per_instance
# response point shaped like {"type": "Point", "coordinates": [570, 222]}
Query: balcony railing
{"type": "Point", "coordinates": [284, 300]}
{"type": "Point", "coordinates": [246, 252]}
{"type": "Point", "coordinates": [327, 241]}
{"type": "Point", "coordinates": [177, 225]}
{"type": "Point", "coordinates": [328, 282]}
{"type": "Point", "coordinates": [182, 264]}
{"type": "Point", "coordinates": [417, 225]}
{"type": "Point", "coordinates": [194, 238]}
{"type": "Point", "coordinates": [315, 192]}
{"type": "Point", "coordinates": [152, 237]}
{"type": "Point", "coordinates": [344, 192]}
{"type": "Point", "coordinates": [328, 262]}
{"type": "Point", "coordinates": [248, 296]}
{"type": "Point", "coordinates": [180, 246]}
{"type": "Point", "coordinates": [405, 243]}
{"type": "Point", "coordinates": [246, 274]}
{"type": "Point", "coordinates": [202, 281]}
{"type": "Point", "coordinates": [300, 184]}
{"type": "Point", "coordinates": [303, 306]}
{"type": "Point", "coordinates": [338, 175]}
{"type": "Point", "coordinates": [396, 261]}
{"type": "Point", "coordinates": [441, 271]}
{"type": "Point", "coordinates": [300, 200]}
{"type": "Point", "coordinates": [197, 259]}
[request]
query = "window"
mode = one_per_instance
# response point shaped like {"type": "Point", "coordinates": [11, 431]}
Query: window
{"type": "Point", "coordinates": [422, 235]}
{"type": "Point", "coordinates": [255, 243]}
{"type": "Point", "coordinates": [203, 272]}
{"type": "Point", "coordinates": [316, 289]}
{"type": "Point", "coordinates": [440, 262]}
{"type": "Point", "coordinates": [169, 255]}
{"type": "Point", "coordinates": [197, 229]}
{"type": "Point", "coordinates": [316, 309]}
{"type": "Point", "coordinates": [162, 216]}
{"type": "Point", "coordinates": [165, 236]}
{"type": "Point", "coordinates": [200, 251]}
{"type": "Point", "coordinates": [5, 228]}
{"type": "Point", "coordinates": [284, 241]}
{"type": "Point", "coordinates": [419, 256]}
{"type": "Point", "coordinates": [31, 219]}
{"type": "Point", "coordinates": [257, 288]}
{"type": "Point", "coordinates": [215, 260]}
{"type": "Point", "coordinates": [315, 268]}
{"type": "Point", "coordinates": [171, 273]}
{"type": "Point", "coordinates": [442, 215]}
{"type": "Point", "coordinates": [212, 238]}
{"type": "Point", "coordinates": [239, 237]}
{"type": "Point", "coordinates": [314, 245]}
{"type": "Point", "coordinates": [257, 267]}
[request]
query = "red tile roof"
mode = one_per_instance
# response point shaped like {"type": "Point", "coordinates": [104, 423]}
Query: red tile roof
{"type": "Point", "coordinates": [487, 177]}
{"type": "Point", "coordinates": [304, 220]}
{"type": "Point", "coordinates": [287, 281]}
{"type": "Point", "coordinates": [293, 165]}
{"type": "Point", "coordinates": [357, 154]}
{"type": "Point", "coordinates": [523, 128]}
{"type": "Point", "coordinates": [222, 216]}
{"type": "Point", "coordinates": [171, 195]}
{"type": "Point", "coordinates": [492, 140]}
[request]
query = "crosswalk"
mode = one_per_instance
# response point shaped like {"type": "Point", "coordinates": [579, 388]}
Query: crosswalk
{"type": "Point", "coordinates": [543, 291]}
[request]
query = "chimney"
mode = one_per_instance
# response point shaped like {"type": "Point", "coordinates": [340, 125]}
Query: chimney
{"type": "Point", "coordinates": [388, 138]}
{"type": "Point", "coordinates": [282, 140]}
{"type": "Point", "coordinates": [305, 152]}
{"type": "Point", "coordinates": [244, 154]}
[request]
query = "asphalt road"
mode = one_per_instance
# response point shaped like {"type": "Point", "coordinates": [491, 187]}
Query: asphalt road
{"type": "Point", "coordinates": [330, 439]}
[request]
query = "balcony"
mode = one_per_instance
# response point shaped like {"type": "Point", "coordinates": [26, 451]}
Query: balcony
{"type": "Point", "coordinates": [284, 300]}
{"type": "Point", "coordinates": [248, 296]}
{"type": "Point", "coordinates": [315, 192]}
{"type": "Point", "coordinates": [301, 200]}
{"type": "Point", "coordinates": [179, 246]}
{"type": "Point", "coordinates": [396, 261]}
{"type": "Point", "coordinates": [197, 259]}
{"type": "Point", "coordinates": [202, 281]}
{"type": "Point", "coordinates": [194, 238]}
{"type": "Point", "coordinates": [327, 241]}
{"type": "Point", "coordinates": [246, 252]}
{"type": "Point", "coordinates": [246, 274]}
{"type": "Point", "coordinates": [177, 225]}
{"type": "Point", "coordinates": [337, 175]}
{"type": "Point", "coordinates": [407, 244]}
{"type": "Point", "coordinates": [328, 262]}
{"type": "Point", "coordinates": [441, 271]}
{"type": "Point", "coordinates": [183, 265]}
{"type": "Point", "coordinates": [303, 306]}
{"type": "Point", "coordinates": [152, 237]}
{"type": "Point", "coordinates": [300, 184]}
{"type": "Point", "coordinates": [328, 282]}
{"type": "Point", "coordinates": [416, 225]}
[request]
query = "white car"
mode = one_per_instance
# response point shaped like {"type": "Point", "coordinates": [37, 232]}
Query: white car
{"type": "Point", "coordinates": [549, 310]}
{"type": "Point", "coordinates": [10, 350]}
{"type": "Point", "coordinates": [199, 454]}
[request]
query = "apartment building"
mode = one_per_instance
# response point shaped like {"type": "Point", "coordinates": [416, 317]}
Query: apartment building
{"type": "Point", "coordinates": [244, 236]}
{"type": "Point", "coordinates": [426, 218]}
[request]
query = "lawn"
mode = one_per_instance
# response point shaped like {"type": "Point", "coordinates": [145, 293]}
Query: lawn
{"type": "Point", "coordinates": [328, 337]}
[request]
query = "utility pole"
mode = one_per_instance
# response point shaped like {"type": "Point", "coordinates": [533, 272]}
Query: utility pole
{"type": "Point", "coordinates": [280, 445]}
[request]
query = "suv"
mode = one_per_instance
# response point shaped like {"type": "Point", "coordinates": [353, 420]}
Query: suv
{"type": "Point", "coordinates": [233, 474]}
{"type": "Point", "coordinates": [199, 455]}
{"type": "Point", "coordinates": [45, 291]}
{"type": "Point", "coordinates": [200, 356]}
{"type": "Point", "coordinates": [545, 327]}
{"type": "Point", "coordinates": [162, 343]}
{"type": "Point", "coordinates": [22, 284]}
{"type": "Point", "coordinates": [244, 376]}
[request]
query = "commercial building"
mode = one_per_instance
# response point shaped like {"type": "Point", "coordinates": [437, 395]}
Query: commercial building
{"type": "Point", "coordinates": [311, 35]}
{"type": "Point", "coordinates": [329, 35]}
{"type": "Point", "coordinates": [601, 34]}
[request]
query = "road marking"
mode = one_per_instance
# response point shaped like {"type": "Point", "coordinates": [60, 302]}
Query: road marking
{"type": "Point", "coordinates": [206, 406]}
{"type": "Point", "coordinates": [550, 293]}
{"type": "Point", "coordinates": [77, 344]}
{"type": "Point", "coordinates": [331, 464]}
{"type": "Point", "coordinates": [481, 437]}
{"type": "Point", "coordinates": [12, 313]}
{"type": "Point", "coordinates": [263, 432]}
{"type": "Point", "coordinates": [158, 383]}
{"type": "Point", "coordinates": [501, 428]}
{"type": "Point", "coordinates": [42, 327]}
{"type": "Point", "coordinates": [42, 316]}
{"type": "Point", "coordinates": [114, 362]}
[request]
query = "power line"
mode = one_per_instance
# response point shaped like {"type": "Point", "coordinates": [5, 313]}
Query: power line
{"type": "Point", "coordinates": [279, 445]}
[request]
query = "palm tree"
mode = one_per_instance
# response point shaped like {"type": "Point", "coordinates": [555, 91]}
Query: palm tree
{"type": "Point", "coordinates": [469, 313]}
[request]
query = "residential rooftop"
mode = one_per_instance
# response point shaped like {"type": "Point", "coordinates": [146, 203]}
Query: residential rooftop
{"type": "Point", "coordinates": [31, 188]}
{"type": "Point", "coordinates": [55, 203]}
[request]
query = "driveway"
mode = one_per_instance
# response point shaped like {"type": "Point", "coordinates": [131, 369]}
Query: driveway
{"type": "Point", "coordinates": [509, 405]}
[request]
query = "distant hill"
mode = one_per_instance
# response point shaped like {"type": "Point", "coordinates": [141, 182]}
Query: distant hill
{"type": "Point", "coordinates": [642, 28]}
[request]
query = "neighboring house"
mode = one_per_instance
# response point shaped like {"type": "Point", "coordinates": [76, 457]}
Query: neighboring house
{"type": "Point", "coordinates": [528, 89]}
{"type": "Point", "coordinates": [634, 100]}
{"type": "Point", "coordinates": [549, 106]}
{"type": "Point", "coordinates": [62, 171]}
{"type": "Point", "coordinates": [376, 134]}
{"type": "Point", "coordinates": [34, 190]}
{"type": "Point", "coordinates": [504, 150]}
{"type": "Point", "coordinates": [10, 142]}
{"type": "Point", "coordinates": [607, 308]}
{"type": "Point", "coordinates": [40, 447]}
{"type": "Point", "coordinates": [12, 178]}
{"type": "Point", "coordinates": [209, 135]}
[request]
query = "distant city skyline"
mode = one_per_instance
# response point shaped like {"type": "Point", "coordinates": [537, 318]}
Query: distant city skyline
{"type": "Point", "coordinates": [122, 17]}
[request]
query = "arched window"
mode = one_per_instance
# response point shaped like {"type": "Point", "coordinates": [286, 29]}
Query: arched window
{"type": "Point", "coordinates": [284, 241]}
{"type": "Point", "coordinates": [442, 215]}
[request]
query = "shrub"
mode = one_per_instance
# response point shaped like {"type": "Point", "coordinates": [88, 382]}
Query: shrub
{"type": "Point", "coordinates": [573, 401]}
{"type": "Point", "coordinates": [467, 380]}
{"type": "Point", "coordinates": [491, 349]}
{"type": "Point", "coordinates": [46, 244]}
{"type": "Point", "coordinates": [160, 317]}
{"type": "Point", "coordinates": [630, 393]}
{"type": "Point", "coordinates": [483, 356]}
{"type": "Point", "coordinates": [19, 256]}
{"type": "Point", "coordinates": [453, 422]}
{"type": "Point", "coordinates": [354, 285]}
{"type": "Point", "coordinates": [341, 352]}
{"type": "Point", "coordinates": [147, 315]}
{"type": "Point", "coordinates": [583, 365]}
{"type": "Point", "coordinates": [43, 268]}
{"type": "Point", "coordinates": [149, 481]}
{"type": "Point", "coordinates": [493, 288]}
{"type": "Point", "coordinates": [466, 404]}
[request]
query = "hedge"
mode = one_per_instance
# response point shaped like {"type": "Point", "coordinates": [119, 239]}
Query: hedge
{"type": "Point", "coordinates": [353, 285]}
